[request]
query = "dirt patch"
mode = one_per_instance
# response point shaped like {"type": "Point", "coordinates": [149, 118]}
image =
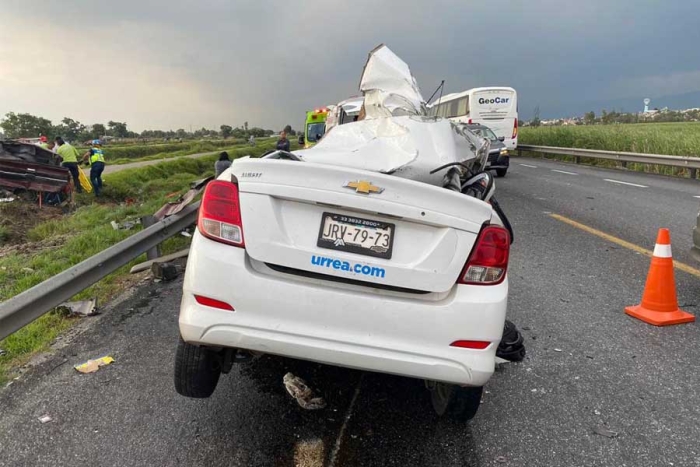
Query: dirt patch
{"type": "Point", "coordinates": [33, 248]}
{"type": "Point", "coordinates": [18, 217]}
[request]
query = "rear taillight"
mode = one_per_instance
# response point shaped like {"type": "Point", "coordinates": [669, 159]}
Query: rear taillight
{"type": "Point", "coordinates": [469, 121]}
{"type": "Point", "coordinates": [220, 213]}
{"type": "Point", "coordinates": [515, 129]}
{"type": "Point", "coordinates": [488, 261]}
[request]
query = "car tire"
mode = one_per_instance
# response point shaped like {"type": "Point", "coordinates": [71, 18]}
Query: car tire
{"type": "Point", "coordinates": [197, 370]}
{"type": "Point", "coordinates": [501, 172]}
{"type": "Point", "coordinates": [455, 402]}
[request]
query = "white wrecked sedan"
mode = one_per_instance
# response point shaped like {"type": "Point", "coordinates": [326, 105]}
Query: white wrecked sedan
{"type": "Point", "coordinates": [368, 251]}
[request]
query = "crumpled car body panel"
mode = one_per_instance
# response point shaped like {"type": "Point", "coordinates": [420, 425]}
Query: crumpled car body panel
{"type": "Point", "coordinates": [408, 147]}
{"type": "Point", "coordinates": [30, 167]}
{"type": "Point", "coordinates": [31, 176]}
{"type": "Point", "coordinates": [396, 136]}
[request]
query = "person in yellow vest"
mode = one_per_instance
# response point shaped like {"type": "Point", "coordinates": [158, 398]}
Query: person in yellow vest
{"type": "Point", "coordinates": [69, 155]}
{"type": "Point", "coordinates": [96, 158]}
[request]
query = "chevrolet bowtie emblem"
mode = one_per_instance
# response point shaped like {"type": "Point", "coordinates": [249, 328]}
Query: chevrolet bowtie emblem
{"type": "Point", "coordinates": [363, 187]}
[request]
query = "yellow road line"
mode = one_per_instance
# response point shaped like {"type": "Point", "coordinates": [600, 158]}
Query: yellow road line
{"type": "Point", "coordinates": [618, 241]}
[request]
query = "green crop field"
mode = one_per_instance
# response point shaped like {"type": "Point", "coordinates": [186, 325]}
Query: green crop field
{"type": "Point", "coordinates": [682, 139]}
{"type": "Point", "coordinates": [161, 151]}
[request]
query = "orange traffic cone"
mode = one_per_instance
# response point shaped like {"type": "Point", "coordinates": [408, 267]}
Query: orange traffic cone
{"type": "Point", "coordinates": [659, 303]}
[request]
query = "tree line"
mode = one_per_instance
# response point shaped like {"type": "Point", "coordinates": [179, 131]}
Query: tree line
{"type": "Point", "coordinates": [608, 117]}
{"type": "Point", "coordinates": [24, 125]}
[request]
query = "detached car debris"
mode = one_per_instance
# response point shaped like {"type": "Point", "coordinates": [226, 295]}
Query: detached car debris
{"type": "Point", "coordinates": [92, 366]}
{"type": "Point", "coordinates": [164, 271]}
{"type": "Point", "coordinates": [126, 225]}
{"type": "Point", "coordinates": [603, 431]}
{"type": "Point", "coordinates": [82, 308]}
{"type": "Point", "coordinates": [45, 419]}
{"type": "Point", "coordinates": [299, 390]}
{"type": "Point", "coordinates": [176, 206]}
{"type": "Point", "coordinates": [512, 345]}
{"type": "Point", "coordinates": [25, 166]}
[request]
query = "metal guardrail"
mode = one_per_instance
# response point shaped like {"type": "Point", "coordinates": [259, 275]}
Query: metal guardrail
{"type": "Point", "coordinates": [29, 305]}
{"type": "Point", "coordinates": [686, 162]}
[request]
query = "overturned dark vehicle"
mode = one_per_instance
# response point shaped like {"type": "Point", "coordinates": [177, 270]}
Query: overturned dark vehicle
{"type": "Point", "coordinates": [26, 168]}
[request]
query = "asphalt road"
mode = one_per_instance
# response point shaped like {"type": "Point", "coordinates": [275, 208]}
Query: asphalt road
{"type": "Point", "coordinates": [591, 371]}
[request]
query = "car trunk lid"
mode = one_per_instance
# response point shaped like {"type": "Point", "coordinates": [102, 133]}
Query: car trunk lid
{"type": "Point", "coordinates": [286, 206]}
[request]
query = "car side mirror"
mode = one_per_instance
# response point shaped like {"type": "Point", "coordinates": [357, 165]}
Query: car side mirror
{"type": "Point", "coordinates": [301, 139]}
{"type": "Point", "coordinates": [501, 138]}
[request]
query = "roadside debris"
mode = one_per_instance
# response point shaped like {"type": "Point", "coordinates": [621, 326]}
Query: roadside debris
{"type": "Point", "coordinates": [7, 200]}
{"type": "Point", "coordinates": [603, 431]}
{"type": "Point", "coordinates": [45, 419]}
{"type": "Point", "coordinates": [83, 307]}
{"type": "Point", "coordinates": [176, 206]}
{"type": "Point", "coordinates": [298, 389]}
{"type": "Point", "coordinates": [164, 271]}
{"type": "Point", "coordinates": [92, 366]}
{"type": "Point", "coordinates": [147, 264]}
{"type": "Point", "coordinates": [29, 270]}
{"type": "Point", "coordinates": [2, 352]}
{"type": "Point", "coordinates": [31, 168]}
{"type": "Point", "coordinates": [126, 225]}
{"type": "Point", "coordinates": [512, 345]}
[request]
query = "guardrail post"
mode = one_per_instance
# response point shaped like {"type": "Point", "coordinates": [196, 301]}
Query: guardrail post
{"type": "Point", "coordinates": [154, 252]}
{"type": "Point", "coordinates": [623, 164]}
{"type": "Point", "coordinates": [520, 152]}
{"type": "Point", "coordinates": [693, 173]}
{"type": "Point", "coordinates": [577, 159]}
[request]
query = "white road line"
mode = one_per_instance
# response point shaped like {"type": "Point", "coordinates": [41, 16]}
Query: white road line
{"type": "Point", "coordinates": [564, 172]}
{"type": "Point", "coordinates": [348, 414]}
{"type": "Point", "coordinates": [696, 196]}
{"type": "Point", "coordinates": [625, 183]}
{"type": "Point", "coordinates": [531, 166]}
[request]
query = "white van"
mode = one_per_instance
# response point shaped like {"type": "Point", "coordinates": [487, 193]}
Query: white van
{"type": "Point", "coordinates": [494, 107]}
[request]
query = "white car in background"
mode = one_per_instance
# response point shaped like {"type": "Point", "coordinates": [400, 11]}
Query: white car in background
{"type": "Point", "coordinates": [354, 257]}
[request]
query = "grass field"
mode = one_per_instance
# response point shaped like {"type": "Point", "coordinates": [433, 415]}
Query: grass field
{"type": "Point", "coordinates": [682, 139]}
{"type": "Point", "coordinates": [678, 139]}
{"type": "Point", "coordinates": [117, 154]}
{"type": "Point", "coordinates": [61, 243]}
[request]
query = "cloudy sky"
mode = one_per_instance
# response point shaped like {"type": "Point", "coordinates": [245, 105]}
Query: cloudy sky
{"type": "Point", "coordinates": [180, 64]}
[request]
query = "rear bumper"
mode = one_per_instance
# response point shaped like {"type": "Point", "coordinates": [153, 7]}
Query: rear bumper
{"type": "Point", "coordinates": [348, 326]}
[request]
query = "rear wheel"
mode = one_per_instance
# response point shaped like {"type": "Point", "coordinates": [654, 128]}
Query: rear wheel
{"type": "Point", "coordinates": [197, 370]}
{"type": "Point", "coordinates": [456, 402]}
{"type": "Point", "coordinates": [501, 172]}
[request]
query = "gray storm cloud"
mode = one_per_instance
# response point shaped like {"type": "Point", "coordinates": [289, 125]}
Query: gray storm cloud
{"type": "Point", "coordinates": [181, 64]}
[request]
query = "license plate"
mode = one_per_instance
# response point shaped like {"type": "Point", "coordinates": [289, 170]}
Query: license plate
{"type": "Point", "coordinates": [356, 235]}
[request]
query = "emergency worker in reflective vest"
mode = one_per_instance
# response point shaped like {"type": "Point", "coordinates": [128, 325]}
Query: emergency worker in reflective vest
{"type": "Point", "coordinates": [96, 158]}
